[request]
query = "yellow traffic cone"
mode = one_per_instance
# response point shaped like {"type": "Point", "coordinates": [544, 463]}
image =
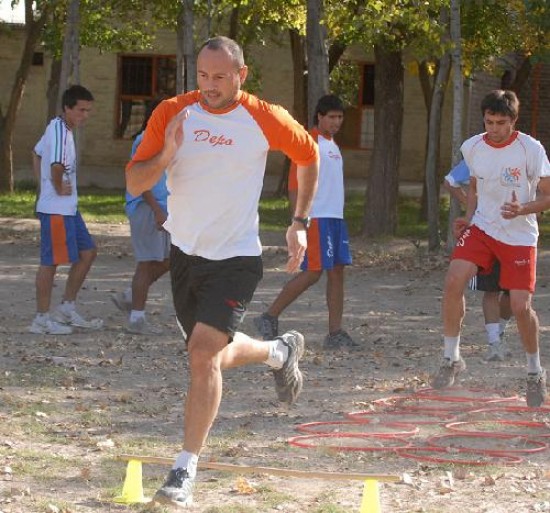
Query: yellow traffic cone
{"type": "Point", "coordinates": [371, 497]}
{"type": "Point", "coordinates": [132, 490]}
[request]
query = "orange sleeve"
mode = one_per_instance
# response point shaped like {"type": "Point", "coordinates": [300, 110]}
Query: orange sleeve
{"type": "Point", "coordinates": [293, 171]}
{"type": "Point", "coordinates": [153, 137]}
{"type": "Point", "coordinates": [282, 131]}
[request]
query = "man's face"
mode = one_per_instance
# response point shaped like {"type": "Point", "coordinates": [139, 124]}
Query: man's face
{"type": "Point", "coordinates": [219, 79]}
{"type": "Point", "coordinates": [330, 123]}
{"type": "Point", "coordinates": [77, 115]}
{"type": "Point", "coordinates": [499, 127]}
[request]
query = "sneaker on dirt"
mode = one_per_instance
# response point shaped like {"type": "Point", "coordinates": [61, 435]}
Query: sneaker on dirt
{"type": "Point", "coordinates": [340, 339]}
{"type": "Point", "coordinates": [536, 389]}
{"type": "Point", "coordinates": [47, 326]}
{"type": "Point", "coordinates": [267, 326]}
{"type": "Point", "coordinates": [121, 302]}
{"type": "Point", "coordinates": [289, 379]}
{"type": "Point", "coordinates": [447, 373]}
{"type": "Point", "coordinates": [73, 318]}
{"type": "Point", "coordinates": [177, 490]}
{"type": "Point", "coordinates": [495, 352]}
{"type": "Point", "coordinates": [142, 327]}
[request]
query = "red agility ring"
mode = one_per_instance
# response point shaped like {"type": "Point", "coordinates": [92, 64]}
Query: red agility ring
{"type": "Point", "coordinates": [535, 445]}
{"type": "Point", "coordinates": [436, 405]}
{"type": "Point", "coordinates": [453, 395]}
{"type": "Point", "coordinates": [305, 441]}
{"type": "Point", "coordinates": [430, 417]}
{"type": "Point", "coordinates": [512, 408]}
{"type": "Point", "coordinates": [341, 426]}
{"type": "Point", "coordinates": [442, 455]}
{"type": "Point", "coordinates": [543, 429]}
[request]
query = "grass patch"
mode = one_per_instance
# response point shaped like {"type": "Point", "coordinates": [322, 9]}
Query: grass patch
{"type": "Point", "coordinates": [37, 376]}
{"type": "Point", "coordinates": [96, 205]}
{"type": "Point", "coordinates": [107, 206]}
{"type": "Point", "coordinates": [38, 464]}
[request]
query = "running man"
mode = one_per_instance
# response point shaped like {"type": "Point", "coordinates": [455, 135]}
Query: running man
{"type": "Point", "coordinates": [214, 143]}
{"type": "Point", "coordinates": [496, 301]}
{"type": "Point", "coordinates": [506, 169]}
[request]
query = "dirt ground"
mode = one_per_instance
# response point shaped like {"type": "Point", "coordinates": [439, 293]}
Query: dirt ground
{"type": "Point", "coordinates": [70, 404]}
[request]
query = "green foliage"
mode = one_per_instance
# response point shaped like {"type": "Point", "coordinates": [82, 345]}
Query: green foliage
{"type": "Point", "coordinates": [526, 31]}
{"type": "Point", "coordinates": [345, 80]}
{"type": "Point", "coordinates": [108, 25]}
{"type": "Point", "coordinates": [395, 24]}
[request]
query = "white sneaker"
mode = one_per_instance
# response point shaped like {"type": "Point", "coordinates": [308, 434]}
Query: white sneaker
{"type": "Point", "coordinates": [73, 318]}
{"type": "Point", "coordinates": [121, 302]}
{"type": "Point", "coordinates": [48, 327]}
{"type": "Point", "coordinates": [142, 327]}
{"type": "Point", "coordinates": [495, 352]}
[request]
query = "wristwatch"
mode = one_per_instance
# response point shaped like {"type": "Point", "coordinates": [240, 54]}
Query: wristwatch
{"type": "Point", "coordinates": [306, 221]}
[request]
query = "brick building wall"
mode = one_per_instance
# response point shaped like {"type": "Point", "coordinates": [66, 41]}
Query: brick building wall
{"type": "Point", "coordinates": [534, 115]}
{"type": "Point", "coordinates": [534, 118]}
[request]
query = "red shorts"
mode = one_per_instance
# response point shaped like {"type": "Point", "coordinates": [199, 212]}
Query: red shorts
{"type": "Point", "coordinates": [518, 264]}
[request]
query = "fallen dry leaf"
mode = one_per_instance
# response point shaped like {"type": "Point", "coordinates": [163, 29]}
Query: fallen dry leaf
{"type": "Point", "coordinates": [243, 486]}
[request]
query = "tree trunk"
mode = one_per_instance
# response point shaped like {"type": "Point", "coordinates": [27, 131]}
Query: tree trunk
{"type": "Point", "coordinates": [70, 68]}
{"type": "Point", "coordinates": [234, 22]}
{"type": "Point", "coordinates": [427, 92]}
{"type": "Point", "coordinates": [432, 158]}
{"type": "Point", "coordinates": [458, 107]}
{"type": "Point", "coordinates": [517, 78]}
{"type": "Point", "coordinates": [335, 51]}
{"type": "Point", "coordinates": [317, 55]}
{"type": "Point", "coordinates": [297, 46]}
{"type": "Point", "coordinates": [53, 88]}
{"type": "Point", "coordinates": [7, 122]}
{"type": "Point", "coordinates": [380, 216]}
{"type": "Point", "coordinates": [189, 45]}
{"type": "Point", "coordinates": [180, 49]}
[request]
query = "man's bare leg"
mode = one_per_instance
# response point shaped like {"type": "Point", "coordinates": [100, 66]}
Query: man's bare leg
{"type": "Point", "coordinates": [77, 274]}
{"type": "Point", "coordinates": [44, 284]}
{"type": "Point", "coordinates": [335, 298]}
{"type": "Point", "coordinates": [453, 307]}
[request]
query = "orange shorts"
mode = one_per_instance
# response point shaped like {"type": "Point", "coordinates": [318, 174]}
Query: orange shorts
{"type": "Point", "coordinates": [518, 264]}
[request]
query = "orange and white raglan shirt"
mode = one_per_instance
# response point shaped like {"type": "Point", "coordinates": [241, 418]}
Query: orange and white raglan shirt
{"type": "Point", "coordinates": [516, 165]}
{"type": "Point", "coordinates": [216, 177]}
{"type": "Point", "coordinates": [329, 198]}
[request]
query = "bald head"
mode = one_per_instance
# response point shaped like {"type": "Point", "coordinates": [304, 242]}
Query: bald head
{"type": "Point", "coordinates": [228, 45]}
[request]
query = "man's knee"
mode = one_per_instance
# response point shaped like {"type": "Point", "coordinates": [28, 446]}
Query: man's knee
{"type": "Point", "coordinates": [88, 255]}
{"type": "Point", "coordinates": [313, 276]}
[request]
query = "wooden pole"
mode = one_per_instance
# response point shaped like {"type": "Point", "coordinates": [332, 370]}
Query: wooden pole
{"type": "Point", "coordinates": [284, 472]}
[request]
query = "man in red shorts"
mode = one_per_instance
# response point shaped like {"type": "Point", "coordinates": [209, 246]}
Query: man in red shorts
{"type": "Point", "coordinates": [507, 167]}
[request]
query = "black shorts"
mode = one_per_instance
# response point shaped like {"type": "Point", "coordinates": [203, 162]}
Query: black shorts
{"type": "Point", "coordinates": [487, 281]}
{"type": "Point", "coordinates": [213, 292]}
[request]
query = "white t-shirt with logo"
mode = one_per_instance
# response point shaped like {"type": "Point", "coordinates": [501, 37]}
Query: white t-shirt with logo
{"type": "Point", "coordinates": [517, 166]}
{"type": "Point", "coordinates": [56, 146]}
{"type": "Point", "coordinates": [329, 199]}
{"type": "Point", "coordinates": [216, 177]}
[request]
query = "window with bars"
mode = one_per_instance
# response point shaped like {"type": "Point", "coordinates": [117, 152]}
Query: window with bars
{"type": "Point", "coordinates": [142, 80]}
